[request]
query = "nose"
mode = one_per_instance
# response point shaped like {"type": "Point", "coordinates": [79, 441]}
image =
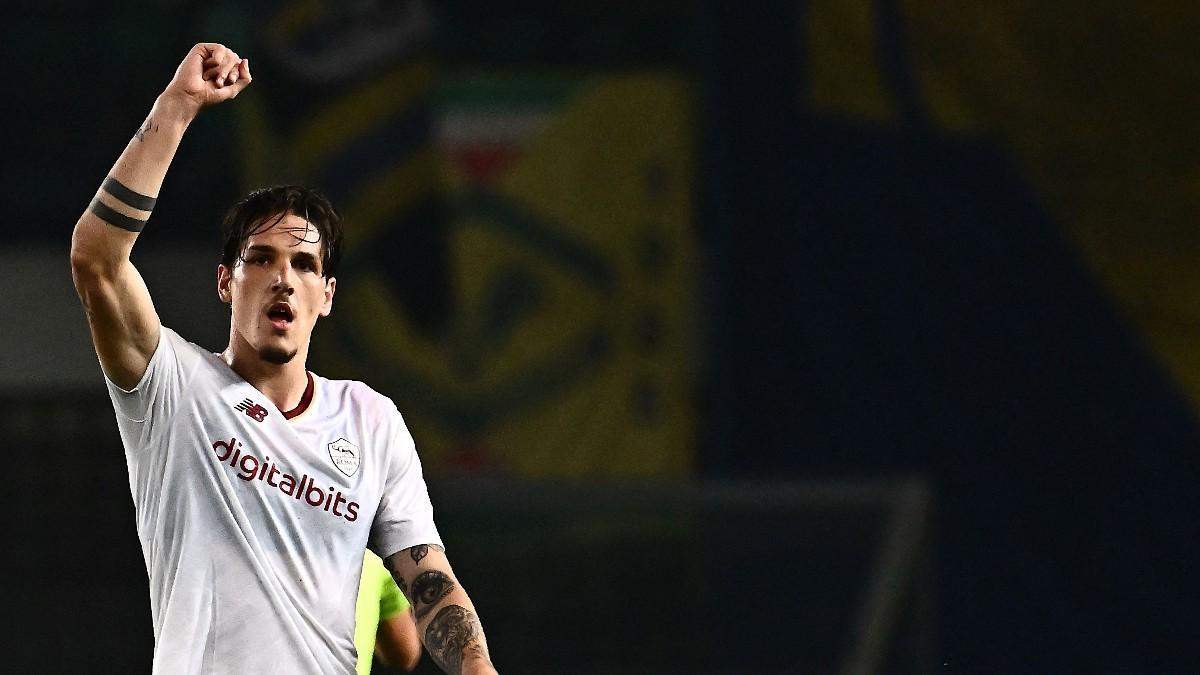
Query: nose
{"type": "Point", "coordinates": [283, 280]}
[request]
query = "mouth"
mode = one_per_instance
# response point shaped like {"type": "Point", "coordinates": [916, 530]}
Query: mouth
{"type": "Point", "coordinates": [280, 315]}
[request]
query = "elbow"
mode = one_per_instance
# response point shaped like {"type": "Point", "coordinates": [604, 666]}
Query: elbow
{"type": "Point", "coordinates": [83, 260]}
{"type": "Point", "coordinates": [89, 266]}
{"type": "Point", "coordinates": [92, 277]}
{"type": "Point", "coordinates": [86, 270]}
{"type": "Point", "coordinates": [80, 260]}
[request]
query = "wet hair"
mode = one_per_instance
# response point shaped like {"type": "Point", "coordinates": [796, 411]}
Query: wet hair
{"type": "Point", "coordinates": [262, 209]}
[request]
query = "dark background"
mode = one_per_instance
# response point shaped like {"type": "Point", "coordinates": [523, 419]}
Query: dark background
{"type": "Point", "coordinates": [881, 300]}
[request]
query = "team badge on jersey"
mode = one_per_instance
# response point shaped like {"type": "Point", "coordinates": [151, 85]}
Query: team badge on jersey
{"type": "Point", "coordinates": [344, 455]}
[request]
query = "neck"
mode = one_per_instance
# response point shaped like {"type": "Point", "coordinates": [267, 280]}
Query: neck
{"type": "Point", "coordinates": [282, 383]}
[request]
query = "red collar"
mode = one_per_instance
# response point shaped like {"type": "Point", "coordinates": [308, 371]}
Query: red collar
{"type": "Point", "coordinates": [304, 400]}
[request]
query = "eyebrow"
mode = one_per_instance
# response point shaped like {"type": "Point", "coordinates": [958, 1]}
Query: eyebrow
{"type": "Point", "coordinates": [304, 255]}
{"type": "Point", "coordinates": [298, 255]}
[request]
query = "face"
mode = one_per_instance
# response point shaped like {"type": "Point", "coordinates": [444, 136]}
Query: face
{"type": "Point", "coordinates": [277, 290]}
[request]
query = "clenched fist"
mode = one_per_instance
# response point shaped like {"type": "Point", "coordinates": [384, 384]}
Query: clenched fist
{"type": "Point", "coordinates": [210, 73]}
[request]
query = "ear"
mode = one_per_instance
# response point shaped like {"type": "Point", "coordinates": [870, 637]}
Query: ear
{"type": "Point", "coordinates": [330, 287]}
{"type": "Point", "coordinates": [224, 278]}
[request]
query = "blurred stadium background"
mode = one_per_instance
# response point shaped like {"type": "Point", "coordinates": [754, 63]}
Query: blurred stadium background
{"type": "Point", "coordinates": [838, 336]}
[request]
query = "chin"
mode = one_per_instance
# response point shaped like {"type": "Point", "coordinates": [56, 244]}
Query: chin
{"type": "Point", "coordinates": [277, 355]}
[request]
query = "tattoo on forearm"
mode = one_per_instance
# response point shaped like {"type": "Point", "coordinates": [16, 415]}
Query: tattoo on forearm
{"type": "Point", "coordinates": [451, 634]}
{"type": "Point", "coordinates": [428, 589]}
{"type": "Point", "coordinates": [115, 218]}
{"type": "Point", "coordinates": [146, 128]}
{"type": "Point", "coordinates": [128, 197]}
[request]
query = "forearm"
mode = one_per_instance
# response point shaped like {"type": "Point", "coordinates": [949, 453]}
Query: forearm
{"type": "Point", "coordinates": [104, 235]}
{"type": "Point", "coordinates": [147, 157]}
{"type": "Point", "coordinates": [102, 241]}
{"type": "Point", "coordinates": [446, 620]}
{"type": "Point", "coordinates": [397, 643]}
{"type": "Point", "coordinates": [453, 635]}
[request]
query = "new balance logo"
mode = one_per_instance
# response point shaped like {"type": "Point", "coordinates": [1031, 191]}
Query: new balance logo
{"type": "Point", "coordinates": [252, 410]}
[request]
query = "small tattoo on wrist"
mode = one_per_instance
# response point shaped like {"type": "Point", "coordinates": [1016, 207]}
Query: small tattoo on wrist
{"type": "Point", "coordinates": [146, 128]}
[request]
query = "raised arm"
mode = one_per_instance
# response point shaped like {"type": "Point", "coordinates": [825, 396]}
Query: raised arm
{"type": "Point", "coordinates": [120, 314]}
{"type": "Point", "coordinates": [446, 619]}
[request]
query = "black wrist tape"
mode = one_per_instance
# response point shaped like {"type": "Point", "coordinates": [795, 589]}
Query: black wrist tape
{"type": "Point", "coordinates": [136, 200]}
{"type": "Point", "coordinates": [115, 218]}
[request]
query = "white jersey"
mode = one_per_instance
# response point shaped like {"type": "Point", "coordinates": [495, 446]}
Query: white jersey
{"type": "Point", "coordinates": [253, 522]}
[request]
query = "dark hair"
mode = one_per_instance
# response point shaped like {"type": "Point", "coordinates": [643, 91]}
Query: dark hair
{"type": "Point", "coordinates": [263, 208]}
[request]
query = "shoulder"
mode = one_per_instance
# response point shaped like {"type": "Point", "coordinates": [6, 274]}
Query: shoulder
{"type": "Point", "coordinates": [179, 344]}
{"type": "Point", "coordinates": [354, 397]}
{"type": "Point", "coordinates": [175, 357]}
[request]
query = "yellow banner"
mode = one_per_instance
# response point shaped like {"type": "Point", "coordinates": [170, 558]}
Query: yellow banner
{"type": "Point", "coordinates": [569, 348]}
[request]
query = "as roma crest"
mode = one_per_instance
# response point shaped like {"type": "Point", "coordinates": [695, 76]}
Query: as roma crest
{"type": "Point", "coordinates": [345, 456]}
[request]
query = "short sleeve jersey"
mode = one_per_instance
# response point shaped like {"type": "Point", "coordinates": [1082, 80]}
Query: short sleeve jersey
{"type": "Point", "coordinates": [252, 521]}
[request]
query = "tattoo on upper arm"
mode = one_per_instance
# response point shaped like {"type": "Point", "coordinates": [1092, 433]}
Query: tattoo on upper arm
{"type": "Point", "coordinates": [396, 576]}
{"type": "Point", "coordinates": [420, 551]}
{"type": "Point", "coordinates": [428, 589]}
{"type": "Point", "coordinates": [450, 634]}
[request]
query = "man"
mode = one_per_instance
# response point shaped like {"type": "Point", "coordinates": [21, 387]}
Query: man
{"type": "Point", "coordinates": [257, 484]}
{"type": "Point", "coordinates": [384, 628]}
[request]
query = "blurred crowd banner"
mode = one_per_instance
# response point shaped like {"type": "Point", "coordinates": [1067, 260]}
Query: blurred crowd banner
{"type": "Point", "coordinates": [565, 347]}
{"type": "Point", "coordinates": [571, 347]}
{"type": "Point", "coordinates": [520, 268]}
{"type": "Point", "coordinates": [1094, 102]}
